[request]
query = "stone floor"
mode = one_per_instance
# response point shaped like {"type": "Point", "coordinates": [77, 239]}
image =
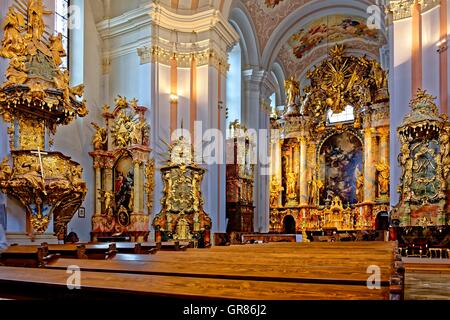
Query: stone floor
{"type": "Point", "coordinates": [427, 279]}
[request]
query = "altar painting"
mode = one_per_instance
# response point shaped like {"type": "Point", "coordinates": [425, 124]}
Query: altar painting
{"type": "Point", "coordinates": [341, 166]}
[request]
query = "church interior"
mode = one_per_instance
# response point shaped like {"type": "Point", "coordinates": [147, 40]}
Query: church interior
{"type": "Point", "coordinates": [225, 149]}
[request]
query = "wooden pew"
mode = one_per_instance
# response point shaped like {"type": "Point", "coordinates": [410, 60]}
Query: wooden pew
{"type": "Point", "coordinates": [52, 284]}
{"type": "Point", "coordinates": [101, 251]}
{"type": "Point", "coordinates": [26, 256]}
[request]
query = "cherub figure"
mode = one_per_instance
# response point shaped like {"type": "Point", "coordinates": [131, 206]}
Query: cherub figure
{"type": "Point", "coordinates": [13, 43]}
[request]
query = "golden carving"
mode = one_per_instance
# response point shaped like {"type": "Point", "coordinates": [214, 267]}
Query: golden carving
{"type": "Point", "coordinates": [383, 178]}
{"type": "Point", "coordinates": [182, 214]}
{"type": "Point", "coordinates": [37, 96]}
{"type": "Point", "coordinates": [150, 183]}
{"type": "Point", "coordinates": [100, 138]}
{"type": "Point", "coordinates": [275, 189]}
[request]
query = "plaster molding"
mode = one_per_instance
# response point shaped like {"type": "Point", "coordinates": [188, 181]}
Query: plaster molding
{"type": "Point", "coordinates": [401, 9]}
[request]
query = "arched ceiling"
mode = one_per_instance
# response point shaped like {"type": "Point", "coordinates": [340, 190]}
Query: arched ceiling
{"type": "Point", "coordinates": [299, 33]}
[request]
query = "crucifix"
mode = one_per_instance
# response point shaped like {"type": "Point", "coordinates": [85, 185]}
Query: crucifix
{"type": "Point", "coordinates": [40, 154]}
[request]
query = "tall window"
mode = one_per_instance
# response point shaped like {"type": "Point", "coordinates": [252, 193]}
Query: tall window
{"type": "Point", "coordinates": [62, 26]}
{"type": "Point", "coordinates": [234, 79]}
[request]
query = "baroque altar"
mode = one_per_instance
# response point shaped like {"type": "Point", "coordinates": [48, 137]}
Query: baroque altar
{"type": "Point", "coordinates": [34, 101]}
{"type": "Point", "coordinates": [124, 172]}
{"type": "Point", "coordinates": [425, 161]}
{"type": "Point", "coordinates": [330, 148]}
{"type": "Point", "coordinates": [182, 216]}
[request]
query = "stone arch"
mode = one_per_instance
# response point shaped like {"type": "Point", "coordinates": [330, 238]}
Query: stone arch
{"type": "Point", "coordinates": [243, 24]}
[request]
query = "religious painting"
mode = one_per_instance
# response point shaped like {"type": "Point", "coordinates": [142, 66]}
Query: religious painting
{"type": "Point", "coordinates": [334, 28]}
{"type": "Point", "coordinates": [124, 184]}
{"type": "Point", "coordinates": [341, 168]}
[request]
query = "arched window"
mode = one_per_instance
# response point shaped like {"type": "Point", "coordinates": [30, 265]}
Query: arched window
{"type": "Point", "coordinates": [234, 80]}
{"type": "Point", "coordinates": [344, 116]}
{"type": "Point", "coordinates": [62, 26]}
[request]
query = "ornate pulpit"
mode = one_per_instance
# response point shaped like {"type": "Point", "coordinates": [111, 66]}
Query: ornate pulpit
{"type": "Point", "coordinates": [34, 101]}
{"type": "Point", "coordinates": [425, 161]}
{"type": "Point", "coordinates": [124, 173]}
{"type": "Point", "coordinates": [182, 216]}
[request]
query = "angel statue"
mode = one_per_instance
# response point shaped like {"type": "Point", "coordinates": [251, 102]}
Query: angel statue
{"type": "Point", "coordinates": [36, 25]}
{"type": "Point", "coordinates": [57, 49]}
{"type": "Point", "coordinates": [13, 43]}
{"type": "Point", "coordinates": [107, 198]}
{"type": "Point", "coordinates": [100, 137]}
{"type": "Point", "coordinates": [292, 88]}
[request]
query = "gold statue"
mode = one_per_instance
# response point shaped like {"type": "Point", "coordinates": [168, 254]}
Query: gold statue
{"type": "Point", "coordinates": [57, 49]}
{"type": "Point", "coordinates": [5, 170]}
{"type": "Point", "coordinates": [359, 185]}
{"type": "Point", "coordinates": [183, 230]}
{"type": "Point", "coordinates": [383, 178]}
{"type": "Point", "coordinates": [13, 43]}
{"type": "Point", "coordinates": [100, 137]}
{"type": "Point", "coordinates": [444, 143]}
{"type": "Point", "coordinates": [291, 183]}
{"type": "Point", "coordinates": [108, 199]}
{"type": "Point", "coordinates": [16, 72]}
{"type": "Point", "coordinates": [315, 187]}
{"type": "Point", "coordinates": [292, 88]}
{"type": "Point", "coordinates": [275, 189]}
{"type": "Point", "coordinates": [36, 26]}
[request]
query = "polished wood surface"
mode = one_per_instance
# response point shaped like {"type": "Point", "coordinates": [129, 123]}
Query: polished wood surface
{"type": "Point", "coordinates": [275, 270]}
{"type": "Point", "coordinates": [184, 287]}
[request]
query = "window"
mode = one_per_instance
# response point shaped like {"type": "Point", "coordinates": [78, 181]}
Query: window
{"type": "Point", "coordinates": [234, 79]}
{"type": "Point", "coordinates": [344, 116]}
{"type": "Point", "coordinates": [62, 26]}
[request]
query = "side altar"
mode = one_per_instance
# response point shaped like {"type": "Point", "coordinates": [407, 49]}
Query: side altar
{"type": "Point", "coordinates": [182, 216]}
{"type": "Point", "coordinates": [330, 149]}
{"type": "Point", "coordinates": [34, 101]}
{"type": "Point", "coordinates": [124, 173]}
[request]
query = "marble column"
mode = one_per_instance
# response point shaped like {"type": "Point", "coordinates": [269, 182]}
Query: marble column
{"type": "Point", "coordinates": [369, 167]}
{"type": "Point", "coordinates": [137, 178]}
{"type": "Point", "coordinates": [303, 172]}
{"type": "Point", "coordinates": [98, 188]}
{"type": "Point", "coordinates": [384, 144]}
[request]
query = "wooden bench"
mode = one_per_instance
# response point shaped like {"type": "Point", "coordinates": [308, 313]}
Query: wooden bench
{"type": "Point", "coordinates": [26, 256]}
{"type": "Point", "coordinates": [274, 266]}
{"type": "Point", "coordinates": [52, 284]}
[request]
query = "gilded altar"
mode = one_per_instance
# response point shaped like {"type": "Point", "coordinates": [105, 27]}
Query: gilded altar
{"type": "Point", "coordinates": [35, 99]}
{"type": "Point", "coordinates": [124, 172]}
{"type": "Point", "coordinates": [330, 148]}
{"type": "Point", "coordinates": [425, 161]}
{"type": "Point", "coordinates": [182, 216]}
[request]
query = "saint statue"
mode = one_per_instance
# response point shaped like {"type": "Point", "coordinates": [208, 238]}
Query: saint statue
{"type": "Point", "coordinates": [183, 230]}
{"type": "Point", "coordinates": [359, 185]}
{"type": "Point", "coordinates": [275, 189]}
{"type": "Point", "coordinates": [292, 88]}
{"type": "Point", "coordinates": [57, 49]}
{"type": "Point", "coordinates": [291, 183]}
{"type": "Point", "coordinates": [13, 43]}
{"type": "Point", "coordinates": [36, 25]}
{"type": "Point", "coordinates": [383, 178]}
{"type": "Point", "coordinates": [100, 138]}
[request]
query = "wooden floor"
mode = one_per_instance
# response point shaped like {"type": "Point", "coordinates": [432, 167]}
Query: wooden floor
{"type": "Point", "coordinates": [282, 271]}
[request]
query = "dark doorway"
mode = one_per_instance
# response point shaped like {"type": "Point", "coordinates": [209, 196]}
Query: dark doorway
{"type": "Point", "coordinates": [289, 225]}
{"type": "Point", "coordinates": [382, 221]}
